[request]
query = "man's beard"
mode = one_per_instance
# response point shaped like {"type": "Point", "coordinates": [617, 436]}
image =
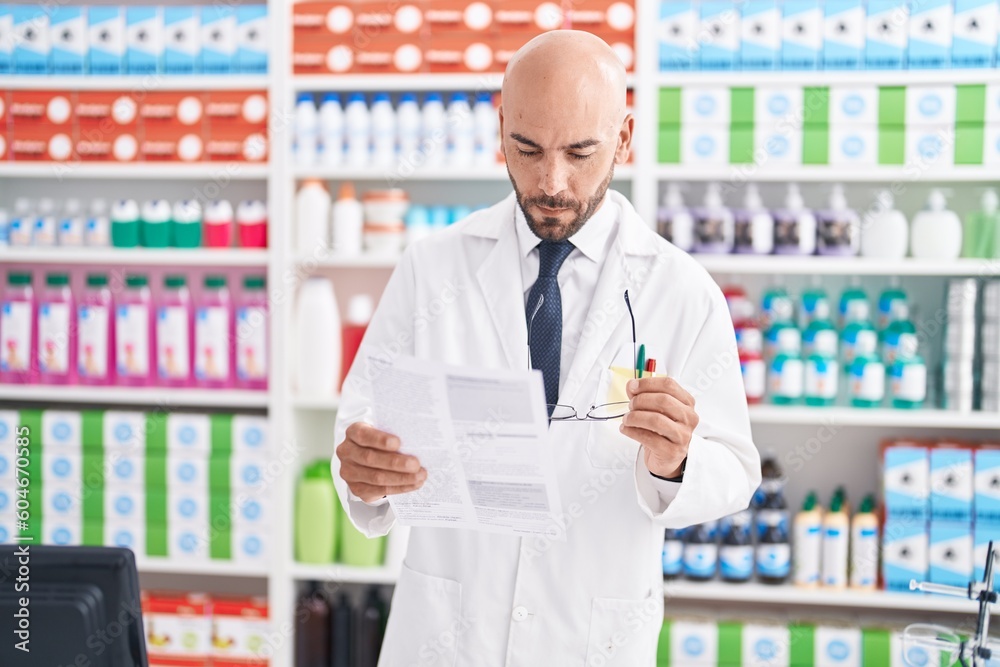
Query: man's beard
{"type": "Point", "coordinates": [583, 211]}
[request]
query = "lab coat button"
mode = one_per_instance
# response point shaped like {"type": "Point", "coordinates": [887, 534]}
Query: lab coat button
{"type": "Point", "coordinates": [520, 613]}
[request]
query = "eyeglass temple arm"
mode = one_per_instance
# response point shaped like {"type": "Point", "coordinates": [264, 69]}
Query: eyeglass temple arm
{"type": "Point", "coordinates": [635, 349]}
{"type": "Point", "coordinates": [538, 306]}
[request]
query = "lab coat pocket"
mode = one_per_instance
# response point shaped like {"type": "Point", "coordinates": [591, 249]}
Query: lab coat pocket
{"type": "Point", "coordinates": [425, 622]}
{"type": "Point", "coordinates": [623, 632]}
{"type": "Point", "coordinates": [606, 446]}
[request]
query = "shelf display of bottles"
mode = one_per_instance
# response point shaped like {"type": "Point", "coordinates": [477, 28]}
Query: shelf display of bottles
{"type": "Point", "coordinates": [336, 633]}
{"type": "Point", "coordinates": [118, 334]}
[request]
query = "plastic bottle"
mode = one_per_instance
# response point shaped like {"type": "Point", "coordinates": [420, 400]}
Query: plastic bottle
{"type": "Point", "coordinates": [893, 304]}
{"type": "Point", "coordinates": [341, 633]}
{"type": "Point", "coordinates": [409, 130]}
{"type": "Point", "coordinates": [701, 553]}
{"type": "Point", "coordinates": [937, 231]}
{"type": "Point", "coordinates": [713, 224]}
{"type": "Point", "coordinates": [98, 231]}
{"type": "Point", "coordinates": [808, 544]}
{"type": "Point", "coordinates": [981, 235]}
{"type": "Point", "coordinates": [72, 225]}
{"type": "Point", "coordinates": [753, 225]}
{"type": "Point", "coordinates": [418, 223]}
{"type": "Point", "coordinates": [485, 120]}
{"type": "Point", "coordinates": [355, 548]}
{"type": "Point", "coordinates": [331, 130]}
{"type": "Point", "coordinates": [854, 305]}
{"type": "Point", "coordinates": [794, 226]}
{"type": "Point", "coordinates": [867, 381]}
{"type": "Point", "coordinates": [908, 381]}
{"type": "Point", "coordinates": [56, 334]}
{"type": "Point", "coordinates": [312, 629]}
{"type": "Point", "coordinates": [786, 378]}
{"type": "Point", "coordinates": [770, 495]}
{"type": "Point", "coordinates": [18, 334]}
{"type": "Point", "coordinates": [213, 335]}
{"type": "Point", "coordinates": [674, 221]}
{"type": "Point", "coordinates": [864, 547]}
{"type": "Point", "coordinates": [217, 227]}
{"type": "Point", "coordinates": [383, 129]}
{"type": "Point", "coordinates": [4, 229]}
{"type": "Point", "coordinates": [46, 224]}
{"type": "Point", "coordinates": [885, 233]}
{"type": "Point", "coordinates": [318, 339]}
{"type": "Point", "coordinates": [814, 305]}
{"type": "Point", "coordinates": [357, 131]}
{"type": "Point", "coordinates": [838, 227]}
{"type": "Point", "coordinates": [369, 629]}
{"type": "Point", "coordinates": [773, 553]}
{"type": "Point", "coordinates": [777, 306]}
{"type": "Point", "coordinates": [251, 222]}
{"type": "Point", "coordinates": [754, 371]}
{"type": "Point", "coordinates": [174, 328]}
{"type": "Point", "coordinates": [155, 226]}
{"type": "Point", "coordinates": [22, 225]}
{"type": "Point", "coordinates": [306, 145]}
{"type": "Point", "coordinates": [673, 554]}
{"type": "Point", "coordinates": [187, 224]}
{"type": "Point", "coordinates": [251, 338]}
{"type": "Point", "coordinates": [134, 343]}
{"type": "Point", "coordinates": [312, 213]}
{"type": "Point", "coordinates": [820, 336]}
{"type": "Point", "coordinates": [315, 515]}
{"type": "Point", "coordinates": [782, 336]}
{"type": "Point", "coordinates": [347, 222]}
{"type": "Point", "coordinates": [95, 333]}
{"type": "Point", "coordinates": [836, 537]}
{"type": "Point", "coordinates": [736, 553]}
{"type": "Point", "coordinates": [125, 224]}
{"type": "Point", "coordinates": [434, 130]}
{"type": "Point", "coordinates": [821, 378]}
{"type": "Point", "coordinates": [359, 313]}
{"type": "Point", "coordinates": [461, 132]}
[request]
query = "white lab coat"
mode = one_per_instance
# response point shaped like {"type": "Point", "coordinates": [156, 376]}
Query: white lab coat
{"type": "Point", "coordinates": [591, 592]}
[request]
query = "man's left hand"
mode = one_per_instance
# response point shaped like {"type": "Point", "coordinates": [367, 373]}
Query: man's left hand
{"type": "Point", "coordinates": [662, 419]}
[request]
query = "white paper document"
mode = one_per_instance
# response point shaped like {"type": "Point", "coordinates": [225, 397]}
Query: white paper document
{"type": "Point", "coordinates": [482, 436]}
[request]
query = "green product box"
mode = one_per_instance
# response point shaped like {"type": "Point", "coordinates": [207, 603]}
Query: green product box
{"type": "Point", "coordinates": [741, 101]}
{"type": "Point", "coordinates": [892, 106]}
{"type": "Point", "coordinates": [663, 646]}
{"type": "Point", "coordinates": [970, 104]}
{"type": "Point", "coordinates": [741, 144]}
{"type": "Point", "coordinates": [891, 145]}
{"type": "Point", "coordinates": [801, 650]}
{"type": "Point", "coordinates": [156, 472]}
{"type": "Point", "coordinates": [670, 106]}
{"type": "Point", "coordinates": [669, 145]}
{"type": "Point", "coordinates": [969, 141]}
{"type": "Point", "coordinates": [156, 234]}
{"type": "Point", "coordinates": [815, 144]}
{"type": "Point", "coordinates": [730, 643]}
{"type": "Point", "coordinates": [816, 106]}
{"type": "Point", "coordinates": [875, 647]}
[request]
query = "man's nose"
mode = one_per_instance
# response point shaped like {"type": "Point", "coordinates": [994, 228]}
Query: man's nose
{"type": "Point", "coordinates": [554, 176]}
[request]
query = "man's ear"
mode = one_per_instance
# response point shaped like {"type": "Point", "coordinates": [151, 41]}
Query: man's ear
{"type": "Point", "coordinates": [625, 139]}
{"type": "Point", "coordinates": [503, 151]}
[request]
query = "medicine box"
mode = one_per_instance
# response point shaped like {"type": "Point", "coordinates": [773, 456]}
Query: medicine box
{"type": "Point", "coordinates": [931, 33]}
{"type": "Point", "coordinates": [125, 505]}
{"type": "Point", "coordinates": [952, 483]}
{"type": "Point", "coordinates": [705, 105]}
{"type": "Point", "coordinates": [9, 422]}
{"type": "Point", "coordinates": [677, 35]}
{"type": "Point", "coordinates": [62, 429]}
{"type": "Point", "coordinates": [61, 501]}
{"type": "Point", "coordinates": [844, 26]}
{"type": "Point", "coordinates": [250, 545]}
{"type": "Point", "coordinates": [250, 434]}
{"type": "Point", "coordinates": [251, 39]}
{"type": "Point", "coordinates": [950, 553]}
{"type": "Point", "coordinates": [719, 35]}
{"type": "Point", "coordinates": [766, 645]}
{"type": "Point", "coordinates": [6, 39]}
{"type": "Point", "coordinates": [801, 35]}
{"type": "Point", "coordinates": [986, 482]}
{"type": "Point", "coordinates": [61, 467]}
{"type": "Point", "coordinates": [887, 34]}
{"type": "Point", "coordinates": [779, 104]}
{"type": "Point", "coordinates": [127, 534]}
{"type": "Point", "coordinates": [854, 105]}
{"type": "Point", "coordinates": [930, 105]}
{"type": "Point", "coordinates": [62, 532]}
{"type": "Point", "coordinates": [187, 541]}
{"type": "Point", "coordinates": [143, 39]}
{"type": "Point", "coordinates": [125, 470]}
{"type": "Point", "coordinates": [976, 27]}
{"type": "Point", "coordinates": [32, 45]}
{"type": "Point", "coordinates": [125, 432]}
{"type": "Point", "coordinates": [694, 643]}
{"type": "Point", "coordinates": [190, 433]}
{"type": "Point", "coordinates": [69, 39]}
{"type": "Point", "coordinates": [705, 144]}
{"type": "Point", "coordinates": [239, 629]}
{"type": "Point", "coordinates": [187, 507]}
{"type": "Point", "coordinates": [837, 646]}
{"type": "Point", "coordinates": [904, 553]}
{"type": "Point", "coordinates": [187, 471]}
{"type": "Point", "coordinates": [218, 39]}
{"type": "Point", "coordinates": [991, 145]}
{"type": "Point", "coordinates": [248, 473]}
{"type": "Point", "coordinates": [8, 528]}
{"type": "Point", "coordinates": [177, 626]}
{"type": "Point", "coordinates": [853, 144]}
{"type": "Point", "coordinates": [106, 25]}
{"type": "Point", "coordinates": [760, 32]}
{"type": "Point", "coordinates": [777, 144]}
{"type": "Point", "coordinates": [906, 480]}
{"type": "Point", "coordinates": [182, 39]}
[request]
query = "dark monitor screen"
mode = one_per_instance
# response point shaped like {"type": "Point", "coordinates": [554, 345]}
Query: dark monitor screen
{"type": "Point", "coordinates": [70, 607]}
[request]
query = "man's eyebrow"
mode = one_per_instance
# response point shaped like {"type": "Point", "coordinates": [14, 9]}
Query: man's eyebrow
{"type": "Point", "coordinates": [586, 143]}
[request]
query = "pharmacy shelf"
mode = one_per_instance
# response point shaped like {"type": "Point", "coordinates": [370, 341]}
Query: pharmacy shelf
{"type": "Point", "coordinates": [738, 174]}
{"type": "Point", "coordinates": [111, 257]}
{"type": "Point", "coordinates": [398, 177]}
{"type": "Point", "coordinates": [349, 262]}
{"type": "Point", "coordinates": [913, 77]}
{"type": "Point", "coordinates": [139, 396]}
{"type": "Point", "coordinates": [330, 403]}
{"type": "Point", "coordinates": [137, 83]}
{"type": "Point", "coordinates": [872, 417]}
{"type": "Point", "coordinates": [220, 172]}
{"type": "Point", "coordinates": [751, 593]}
{"type": "Point", "coordinates": [845, 266]}
{"type": "Point", "coordinates": [212, 568]}
{"type": "Point", "coordinates": [306, 83]}
{"type": "Point", "coordinates": [344, 574]}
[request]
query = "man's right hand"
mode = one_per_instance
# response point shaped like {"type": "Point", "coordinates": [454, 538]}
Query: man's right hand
{"type": "Point", "coordinates": [373, 467]}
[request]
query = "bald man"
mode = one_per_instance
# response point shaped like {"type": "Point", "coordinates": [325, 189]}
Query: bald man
{"type": "Point", "coordinates": [537, 281]}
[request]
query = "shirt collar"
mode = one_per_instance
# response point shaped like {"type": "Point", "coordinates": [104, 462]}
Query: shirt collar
{"type": "Point", "coordinates": [591, 239]}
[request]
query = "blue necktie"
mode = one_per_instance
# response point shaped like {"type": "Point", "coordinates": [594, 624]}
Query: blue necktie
{"type": "Point", "coordinates": [545, 342]}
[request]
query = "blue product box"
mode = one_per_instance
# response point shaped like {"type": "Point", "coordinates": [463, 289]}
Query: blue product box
{"type": "Point", "coordinates": [6, 39]}
{"type": "Point", "coordinates": [31, 39]}
{"type": "Point", "coordinates": [904, 553]}
{"type": "Point", "coordinates": [719, 35]}
{"type": "Point", "coordinates": [888, 33]}
{"type": "Point", "coordinates": [678, 28]}
{"type": "Point", "coordinates": [760, 27]}
{"type": "Point", "coordinates": [218, 39]}
{"type": "Point", "coordinates": [69, 39]}
{"type": "Point", "coordinates": [251, 39]}
{"type": "Point", "coordinates": [930, 34]}
{"type": "Point", "coordinates": [143, 40]}
{"type": "Point", "coordinates": [107, 40]}
{"type": "Point", "coordinates": [950, 561]}
{"type": "Point", "coordinates": [844, 34]}
{"type": "Point", "coordinates": [801, 35]}
{"type": "Point", "coordinates": [906, 482]}
{"type": "Point", "coordinates": [986, 503]}
{"type": "Point", "coordinates": [975, 33]}
{"type": "Point", "coordinates": [951, 484]}
{"type": "Point", "coordinates": [983, 533]}
{"type": "Point", "coordinates": [182, 39]}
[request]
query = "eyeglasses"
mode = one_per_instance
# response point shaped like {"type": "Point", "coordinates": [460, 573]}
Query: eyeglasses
{"type": "Point", "coordinates": [602, 412]}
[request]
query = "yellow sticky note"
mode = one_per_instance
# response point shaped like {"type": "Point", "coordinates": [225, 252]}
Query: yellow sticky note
{"type": "Point", "coordinates": [619, 378]}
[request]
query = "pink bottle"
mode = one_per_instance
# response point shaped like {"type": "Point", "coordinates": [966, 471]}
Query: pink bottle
{"type": "Point", "coordinates": [213, 335]}
{"type": "Point", "coordinates": [251, 219]}
{"type": "Point", "coordinates": [134, 344]}
{"type": "Point", "coordinates": [251, 335]}
{"type": "Point", "coordinates": [95, 333]}
{"type": "Point", "coordinates": [18, 337]}
{"type": "Point", "coordinates": [56, 333]}
{"type": "Point", "coordinates": [217, 224]}
{"type": "Point", "coordinates": [174, 333]}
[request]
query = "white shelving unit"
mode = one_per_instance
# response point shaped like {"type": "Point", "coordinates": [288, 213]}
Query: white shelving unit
{"type": "Point", "coordinates": [135, 257]}
{"type": "Point", "coordinates": [344, 574]}
{"type": "Point", "coordinates": [137, 396]}
{"type": "Point", "coordinates": [874, 417]}
{"type": "Point", "coordinates": [199, 568]}
{"type": "Point", "coordinates": [738, 174]}
{"type": "Point", "coordinates": [220, 172]}
{"type": "Point", "coordinates": [139, 83]}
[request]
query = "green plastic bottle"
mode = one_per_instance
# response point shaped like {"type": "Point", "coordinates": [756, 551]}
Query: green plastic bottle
{"type": "Point", "coordinates": [785, 377]}
{"type": "Point", "coordinates": [899, 340]}
{"type": "Point", "coordinates": [316, 515]}
{"type": "Point", "coordinates": [815, 305]}
{"type": "Point", "coordinates": [777, 306]}
{"type": "Point", "coordinates": [820, 337]}
{"type": "Point", "coordinates": [858, 339]}
{"type": "Point", "coordinates": [981, 236]}
{"type": "Point", "coordinates": [892, 305]}
{"type": "Point", "coordinates": [867, 381]}
{"type": "Point", "coordinates": [355, 548]}
{"type": "Point", "coordinates": [854, 304]}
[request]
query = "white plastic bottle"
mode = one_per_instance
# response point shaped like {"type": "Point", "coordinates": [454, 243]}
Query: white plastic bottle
{"type": "Point", "coordinates": [98, 231]}
{"type": "Point", "coordinates": [72, 224]}
{"type": "Point", "coordinates": [383, 132]}
{"type": "Point", "coordinates": [347, 221]}
{"type": "Point", "coordinates": [794, 226]}
{"type": "Point", "coordinates": [485, 119]}
{"type": "Point", "coordinates": [808, 544]}
{"type": "Point", "coordinates": [836, 538]}
{"type": "Point", "coordinates": [22, 225]}
{"type": "Point", "coordinates": [434, 130]}
{"type": "Point", "coordinates": [461, 132]}
{"type": "Point", "coordinates": [408, 129]}
{"type": "Point", "coordinates": [754, 225]}
{"type": "Point", "coordinates": [306, 147]}
{"type": "Point", "coordinates": [358, 131]}
{"type": "Point", "coordinates": [839, 228]}
{"type": "Point", "coordinates": [331, 130]}
{"type": "Point", "coordinates": [318, 339]}
{"type": "Point", "coordinates": [46, 223]}
{"type": "Point", "coordinates": [864, 547]}
{"type": "Point", "coordinates": [885, 233]}
{"type": "Point", "coordinates": [713, 224]}
{"type": "Point", "coordinates": [937, 231]}
{"type": "Point", "coordinates": [674, 221]}
{"type": "Point", "coordinates": [312, 210]}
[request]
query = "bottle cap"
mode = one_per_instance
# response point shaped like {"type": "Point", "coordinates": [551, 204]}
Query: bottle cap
{"type": "Point", "coordinates": [673, 199]}
{"type": "Point", "coordinates": [136, 281]}
{"type": "Point", "coordinates": [432, 97]}
{"type": "Point", "coordinates": [359, 309]}
{"type": "Point", "coordinates": [18, 278]}
{"type": "Point", "coordinates": [810, 502]}
{"type": "Point", "coordinates": [868, 504]}
{"type": "Point", "coordinates": [98, 207]}
{"type": "Point", "coordinates": [936, 200]}
{"type": "Point", "coordinates": [838, 201]}
{"type": "Point", "coordinates": [484, 96]}
{"type": "Point", "coordinates": [408, 97]}
{"type": "Point", "coordinates": [713, 196]}
{"type": "Point", "coordinates": [989, 202]}
{"type": "Point", "coordinates": [356, 97]}
{"type": "Point", "coordinates": [304, 97]}
{"type": "Point", "coordinates": [174, 282]}
{"type": "Point", "coordinates": [751, 198]}
{"type": "Point", "coordinates": [46, 205]}
{"type": "Point", "coordinates": [331, 97]}
{"type": "Point", "coordinates": [187, 211]}
{"type": "Point", "coordinates": [22, 205]}
{"type": "Point", "coordinates": [318, 470]}
{"type": "Point", "coordinates": [215, 282]}
{"type": "Point", "coordinates": [459, 97]}
{"type": "Point", "coordinates": [57, 279]}
{"type": "Point", "coordinates": [72, 207]}
{"type": "Point", "coordinates": [254, 282]}
{"type": "Point", "coordinates": [97, 280]}
{"type": "Point", "coordinates": [347, 191]}
{"type": "Point", "coordinates": [836, 504]}
{"type": "Point", "coordinates": [793, 198]}
{"type": "Point", "coordinates": [381, 97]}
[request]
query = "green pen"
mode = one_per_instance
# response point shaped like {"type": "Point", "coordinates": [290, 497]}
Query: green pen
{"type": "Point", "coordinates": [640, 363]}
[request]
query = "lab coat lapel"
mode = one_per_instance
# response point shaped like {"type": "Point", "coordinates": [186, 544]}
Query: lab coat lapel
{"type": "Point", "coordinates": [499, 277]}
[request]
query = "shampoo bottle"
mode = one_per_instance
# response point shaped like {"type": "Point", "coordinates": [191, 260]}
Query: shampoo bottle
{"type": "Point", "coordinates": [312, 212]}
{"type": "Point", "coordinates": [347, 219]}
{"type": "Point", "coordinates": [885, 233]}
{"type": "Point", "coordinates": [814, 304]}
{"type": "Point", "coordinates": [736, 553]}
{"type": "Point", "coordinates": [674, 221]}
{"type": "Point", "coordinates": [753, 225]}
{"type": "Point", "coordinates": [155, 225]}
{"type": "Point", "coordinates": [794, 226]}
{"type": "Point", "coordinates": [315, 514]}
{"type": "Point", "coordinates": [187, 224]}
{"type": "Point", "coordinates": [213, 335]}
{"type": "Point", "coordinates": [866, 383]}
{"type": "Point", "coordinates": [56, 334]}
{"type": "Point", "coordinates": [713, 224]}
{"type": "Point", "coordinates": [342, 633]}
{"type": "Point", "coordinates": [312, 629]}
{"type": "Point", "coordinates": [980, 239]}
{"type": "Point", "coordinates": [95, 333]}
{"type": "Point", "coordinates": [357, 131]}
{"type": "Point", "coordinates": [355, 548]}
{"type": "Point", "coordinates": [838, 226]}
{"type": "Point", "coordinates": [18, 333]}
{"type": "Point", "coordinates": [251, 339]}
{"type": "Point", "coordinates": [125, 223]}
{"type": "Point", "coordinates": [836, 537]}
{"type": "Point", "coordinates": [134, 333]}
{"type": "Point", "coordinates": [331, 131]}
{"type": "Point", "coordinates": [864, 546]}
{"type": "Point", "coordinates": [808, 543]}
{"type": "Point", "coordinates": [673, 553]}
{"type": "Point", "coordinates": [937, 231]}
{"type": "Point", "coordinates": [701, 553]}
{"type": "Point", "coordinates": [317, 339]}
{"type": "Point", "coordinates": [174, 327]}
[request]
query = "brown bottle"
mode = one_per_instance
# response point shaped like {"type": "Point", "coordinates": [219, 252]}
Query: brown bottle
{"type": "Point", "coordinates": [312, 629]}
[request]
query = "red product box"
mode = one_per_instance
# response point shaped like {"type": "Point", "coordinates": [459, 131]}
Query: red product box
{"type": "Point", "coordinates": [236, 109]}
{"type": "Point", "coordinates": [178, 628]}
{"type": "Point", "coordinates": [613, 16]}
{"type": "Point", "coordinates": [41, 109]}
{"type": "Point", "coordinates": [171, 144]}
{"type": "Point", "coordinates": [236, 145]}
{"type": "Point", "coordinates": [322, 19]}
{"type": "Point", "coordinates": [172, 110]}
{"type": "Point", "coordinates": [35, 144]}
{"type": "Point", "coordinates": [459, 52]}
{"type": "Point", "coordinates": [390, 54]}
{"type": "Point", "coordinates": [239, 632]}
{"type": "Point", "coordinates": [377, 18]}
{"type": "Point", "coordinates": [521, 16]}
{"type": "Point", "coordinates": [107, 126]}
{"type": "Point", "coordinates": [3, 124]}
{"type": "Point", "coordinates": [317, 56]}
{"type": "Point", "coordinates": [444, 16]}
